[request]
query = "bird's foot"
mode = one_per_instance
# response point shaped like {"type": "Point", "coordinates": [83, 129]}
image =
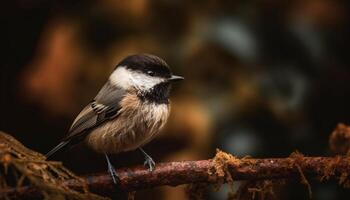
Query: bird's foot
{"type": "Point", "coordinates": [149, 161]}
{"type": "Point", "coordinates": [112, 171]}
{"type": "Point", "coordinates": [113, 174]}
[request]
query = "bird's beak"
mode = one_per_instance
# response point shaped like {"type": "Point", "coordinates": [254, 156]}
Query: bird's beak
{"type": "Point", "coordinates": [175, 78]}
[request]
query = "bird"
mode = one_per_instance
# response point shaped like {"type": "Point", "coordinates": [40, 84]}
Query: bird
{"type": "Point", "coordinates": [128, 111]}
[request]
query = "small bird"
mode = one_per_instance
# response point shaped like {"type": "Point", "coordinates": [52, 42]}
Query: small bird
{"type": "Point", "coordinates": [127, 112]}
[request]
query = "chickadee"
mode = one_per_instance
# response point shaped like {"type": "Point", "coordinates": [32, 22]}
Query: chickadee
{"type": "Point", "coordinates": [128, 111]}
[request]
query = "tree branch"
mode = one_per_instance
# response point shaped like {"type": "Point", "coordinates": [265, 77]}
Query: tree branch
{"type": "Point", "coordinates": [223, 168]}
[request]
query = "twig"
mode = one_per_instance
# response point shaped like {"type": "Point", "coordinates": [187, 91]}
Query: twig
{"type": "Point", "coordinates": [177, 173]}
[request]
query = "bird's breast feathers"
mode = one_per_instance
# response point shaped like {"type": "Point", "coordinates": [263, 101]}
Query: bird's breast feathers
{"type": "Point", "coordinates": [137, 123]}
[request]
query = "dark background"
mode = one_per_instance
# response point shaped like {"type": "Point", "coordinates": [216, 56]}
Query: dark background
{"type": "Point", "coordinates": [263, 77]}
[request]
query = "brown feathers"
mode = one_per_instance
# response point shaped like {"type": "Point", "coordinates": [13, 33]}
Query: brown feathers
{"type": "Point", "coordinates": [136, 125]}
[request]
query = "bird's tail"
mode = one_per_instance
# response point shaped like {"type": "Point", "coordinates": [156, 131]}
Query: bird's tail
{"type": "Point", "coordinates": [56, 148]}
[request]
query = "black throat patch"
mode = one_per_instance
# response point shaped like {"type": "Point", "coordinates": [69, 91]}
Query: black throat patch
{"type": "Point", "coordinates": [158, 94]}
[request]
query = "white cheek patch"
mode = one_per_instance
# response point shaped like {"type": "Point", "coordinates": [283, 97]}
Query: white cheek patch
{"type": "Point", "coordinates": [128, 79]}
{"type": "Point", "coordinates": [144, 81]}
{"type": "Point", "coordinates": [121, 77]}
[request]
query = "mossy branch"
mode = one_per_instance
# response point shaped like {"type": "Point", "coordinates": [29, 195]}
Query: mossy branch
{"type": "Point", "coordinates": [222, 169]}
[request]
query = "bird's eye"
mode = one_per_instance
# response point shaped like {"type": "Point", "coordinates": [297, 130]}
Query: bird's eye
{"type": "Point", "coordinates": [151, 73]}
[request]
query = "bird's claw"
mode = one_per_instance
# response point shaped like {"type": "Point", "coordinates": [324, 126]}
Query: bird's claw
{"type": "Point", "coordinates": [149, 161]}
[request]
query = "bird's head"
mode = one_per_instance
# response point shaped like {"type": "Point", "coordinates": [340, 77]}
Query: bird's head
{"type": "Point", "coordinates": [143, 73]}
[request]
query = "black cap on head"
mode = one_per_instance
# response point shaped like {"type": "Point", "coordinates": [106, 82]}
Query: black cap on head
{"type": "Point", "coordinates": [147, 63]}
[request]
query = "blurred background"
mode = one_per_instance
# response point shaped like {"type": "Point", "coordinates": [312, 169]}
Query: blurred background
{"type": "Point", "coordinates": [263, 77]}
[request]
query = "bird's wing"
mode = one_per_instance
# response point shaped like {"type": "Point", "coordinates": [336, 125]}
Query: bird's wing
{"type": "Point", "coordinates": [104, 107]}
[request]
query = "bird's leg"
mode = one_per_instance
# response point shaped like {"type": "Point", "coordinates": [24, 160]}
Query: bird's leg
{"type": "Point", "coordinates": [148, 160]}
{"type": "Point", "coordinates": [112, 171]}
